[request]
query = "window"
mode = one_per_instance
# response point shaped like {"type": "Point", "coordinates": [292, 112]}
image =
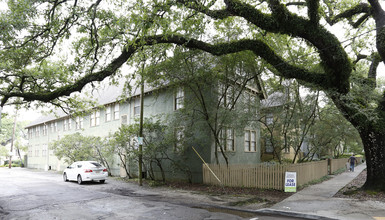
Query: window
{"type": "Point", "coordinates": [30, 150]}
{"type": "Point", "coordinates": [269, 119]}
{"type": "Point", "coordinates": [179, 98]}
{"type": "Point", "coordinates": [30, 133]}
{"type": "Point", "coordinates": [79, 122]}
{"type": "Point", "coordinates": [124, 120]}
{"type": "Point", "coordinates": [65, 124]}
{"type": "Point", "coordinates": [251, 102]}
{"type": "Point", "coordinates": [53, 126]}
{"type": "Point", "coordinates": [108, 113]}
{"type": "Point", "coordinates": [69, 124]}
{"type": "Point", "coordinates": [268, 146]}
{"type": "Point", "coordinates": [250, 141]}
{"type": "Point", "coordinates": [227, 139]}
{"type": "Point", "coordinates": [37, 131]}
{"type": "Point", "coordinates": [116, 111]}
{"type": "Point", "coordinates": [92, 119]}
{"type": "Point", "coordinates": [95, 118]}
{"type": "Point", "coordinates": [137, 106]}
{"type": "Point", "coordinates": [45, 129]}
{"type": "Point", "coordinates": [179, 137]}
{"type": "Point", "coordinates": [226, 96]}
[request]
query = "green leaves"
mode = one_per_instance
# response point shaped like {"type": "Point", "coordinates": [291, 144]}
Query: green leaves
{"type": "Point", "coordinates": [76, 147]}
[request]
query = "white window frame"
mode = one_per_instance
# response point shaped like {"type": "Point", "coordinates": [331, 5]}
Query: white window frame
{"type": "Point", "coordinates": [250, 144]}
{"type": "Point", "coordinates": [269, 119]}
{"type": "Point", "coordinates": [227, 139]}
{"type": "Point", "coordinates": [69, 123]}
{"type": "Point", "coordinates": [124, 120]}
{"type": "Point", "coordinates": [179, 99]}
{"type": "Point", "coordinates": [268, 146]}
{"type": "Point", "coordinates": [95, 118]}
{"type": "Point", "coordinates": [79, 122]}
{"type": "Point", "coordinates": [65, 124]}
{"type": "Point", "coordinates": [107, 114]}
{"type": "Point", "coordinates": [30, 133]}
{"type": "Point", "coordinates": [116, 111]}
{"type": "Point", "coordinates": [251, 101]}
{"type": "Point", "coordinates": [226, 95]}
{"type": "Point", "coordinates": [37, 131]}
{"type": "Point", "coordinates": [45, 129]}
{"type": "Point", "coordinates": [136, 106]}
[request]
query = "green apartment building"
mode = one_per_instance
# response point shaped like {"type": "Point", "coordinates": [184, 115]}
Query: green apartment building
{"type": "Point", "coordinates": [240, 143]}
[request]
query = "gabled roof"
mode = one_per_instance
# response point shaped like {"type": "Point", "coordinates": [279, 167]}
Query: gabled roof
{"type": "Point", "coordinates": [104, 96]}
{"type": "Point", "coordinates": [113, 93]}
{"type": "Point", "coordinates": [274, 100]}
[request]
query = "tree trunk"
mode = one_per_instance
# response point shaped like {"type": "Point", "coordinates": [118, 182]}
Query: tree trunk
{"type": "Point", "coordinates": [374, 145]}
{"type": "Point", "coordinates": [372, 133]}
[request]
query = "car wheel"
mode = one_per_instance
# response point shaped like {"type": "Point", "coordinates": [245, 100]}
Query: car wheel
{"type": "Point", "coordinates": [80, 179]}
{"type": "Point", "coordinates": [102, 181]}
{"type": "Point", "coordinates": [65, 177]}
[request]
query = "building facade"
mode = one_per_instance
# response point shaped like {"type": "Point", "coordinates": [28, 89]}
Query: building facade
{"type": "Point", "coordinates": [241, 145]}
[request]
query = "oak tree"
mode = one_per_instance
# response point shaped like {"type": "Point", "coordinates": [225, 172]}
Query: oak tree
{"type": "Point", "coordinates": [100, 37]}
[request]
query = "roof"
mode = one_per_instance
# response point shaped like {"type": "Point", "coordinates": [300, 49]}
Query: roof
{"type": "Point", "coordinates": [105, 95]}
{"type": "Point", "coordinates": [274, 100]}
{"type": "Point", "coordinates": [113, 93]}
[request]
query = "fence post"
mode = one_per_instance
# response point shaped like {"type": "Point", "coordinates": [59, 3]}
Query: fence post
{"type": "Point", "coordinates": [329, 164]}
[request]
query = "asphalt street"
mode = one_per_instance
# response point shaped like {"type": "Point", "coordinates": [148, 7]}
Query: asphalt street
{"type": "Point", "coordinates": [31, 194]}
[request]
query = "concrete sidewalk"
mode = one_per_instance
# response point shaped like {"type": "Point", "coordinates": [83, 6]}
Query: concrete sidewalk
{"type": "Point", "coordinates": [318, 201]}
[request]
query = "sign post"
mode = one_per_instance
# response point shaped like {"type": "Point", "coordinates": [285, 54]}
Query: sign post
{"type": "Point", "coordinates": [290, 182]}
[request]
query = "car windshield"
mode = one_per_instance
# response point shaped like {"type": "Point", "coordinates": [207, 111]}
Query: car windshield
{"type": "Point", "coordinates": [95, 164]}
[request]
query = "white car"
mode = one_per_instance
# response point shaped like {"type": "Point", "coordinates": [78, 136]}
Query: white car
{"type": "Point", "coordinates": [81, 171]}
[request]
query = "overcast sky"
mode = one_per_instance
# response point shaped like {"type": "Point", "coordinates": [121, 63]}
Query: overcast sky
{"type": "Point", "coordinates": [31, 115]}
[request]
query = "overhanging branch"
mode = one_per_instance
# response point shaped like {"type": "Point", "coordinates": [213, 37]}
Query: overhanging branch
{"type": "Point", "coordinates": [259, 48]}
{"type": "Point", "coordinates": [348, 14]}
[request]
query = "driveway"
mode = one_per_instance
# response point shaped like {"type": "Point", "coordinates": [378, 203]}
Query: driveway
{"type": "Point", "coordinates": [31, 194]}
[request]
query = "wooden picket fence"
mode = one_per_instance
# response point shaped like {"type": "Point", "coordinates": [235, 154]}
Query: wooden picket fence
{"type": "Point", "coordinates": [264, 176]}
{"type": "Point", "coordinates": [336, 164]}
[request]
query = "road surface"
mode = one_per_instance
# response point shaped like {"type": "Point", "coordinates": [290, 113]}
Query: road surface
{"type": "Point", "coordinates": [31, 194]}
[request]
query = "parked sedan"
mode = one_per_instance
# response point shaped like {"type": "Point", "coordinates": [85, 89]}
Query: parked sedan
{"type": "Point", "coordinates": [81, 171]}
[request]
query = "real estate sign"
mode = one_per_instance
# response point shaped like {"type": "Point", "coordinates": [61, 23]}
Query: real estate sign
{"type": "Point", "coordinates": [290, 182]}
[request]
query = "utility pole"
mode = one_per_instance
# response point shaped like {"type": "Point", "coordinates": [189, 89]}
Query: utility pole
{"type": "Point", "coordinates": [140, 139]}
{"type": "Point", "coordinates": [13, 138]}
{"type": "Point", "coordinates": [1, 114]}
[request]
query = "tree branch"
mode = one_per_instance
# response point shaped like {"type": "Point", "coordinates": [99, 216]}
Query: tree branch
{"type": "Point", "coordinates": [379, 17]}
{"type": "Point", "coordinates": [258, 47]}
{"type": "Point", "coordinates": [197, 6]}
{"type": "Point", "coordinates": [313, 6]}
{"type": "Point", "coordinates": [372, 74]}
{"type": "Point", "coordinates": [348, 14]}
{"type": "Point", "coordinates": [334, 58]}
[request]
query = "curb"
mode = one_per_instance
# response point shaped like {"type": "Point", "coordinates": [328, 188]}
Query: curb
{"type": "Point", "coordinates": [293, 214]}
{"type": "Point", "coordinates": [266, 212]}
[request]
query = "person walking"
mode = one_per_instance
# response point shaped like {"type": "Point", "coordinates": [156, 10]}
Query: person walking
{"type": "Point", "coordinates": [353, 161]}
